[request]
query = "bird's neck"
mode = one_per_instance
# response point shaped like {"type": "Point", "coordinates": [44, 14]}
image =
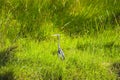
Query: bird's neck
{"type": "Point", "coordinates": [58, 41]}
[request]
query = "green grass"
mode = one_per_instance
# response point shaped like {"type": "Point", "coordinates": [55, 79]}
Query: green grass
{"type": "Point", "coordinates": [86, 58]}
{"type": "Point", "coordinates": [89, 38]}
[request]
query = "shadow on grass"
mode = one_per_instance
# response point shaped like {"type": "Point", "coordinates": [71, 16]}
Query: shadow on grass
{"type": "Point", "coordinates": [6, 55]}
{"type": "Point", "coordinates": [7, 76]}
{"type": "Point", "coordinates": [116, 69]}
{"type": "Point", "coordinates": [109, 46]}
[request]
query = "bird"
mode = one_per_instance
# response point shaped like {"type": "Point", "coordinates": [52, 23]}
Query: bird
{"type": "Point", "coordinates": [60, 51]}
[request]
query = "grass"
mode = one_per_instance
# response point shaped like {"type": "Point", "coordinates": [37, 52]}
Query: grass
{"type": "Point", "coordinates": [86, 58]}
{"type": "Point", "coordinates": [89, 38]}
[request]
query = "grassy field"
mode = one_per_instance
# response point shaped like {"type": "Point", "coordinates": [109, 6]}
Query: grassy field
{"type": "Point", "coordinates": [90, 39]}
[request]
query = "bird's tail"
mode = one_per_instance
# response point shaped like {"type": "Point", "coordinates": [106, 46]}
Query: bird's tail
{"type": "Point", "coordinates": [63, 57]}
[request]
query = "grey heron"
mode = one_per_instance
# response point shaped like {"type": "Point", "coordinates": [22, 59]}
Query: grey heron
{"type": "Point", "coordinates": [60, 51]}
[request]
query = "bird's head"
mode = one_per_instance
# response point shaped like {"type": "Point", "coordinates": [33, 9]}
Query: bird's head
{"type": "Point", "coordinates": [56, 35]}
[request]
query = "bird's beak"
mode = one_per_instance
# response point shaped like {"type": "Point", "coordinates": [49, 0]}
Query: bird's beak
{"type": "Point", "coordinates": [55, 35]}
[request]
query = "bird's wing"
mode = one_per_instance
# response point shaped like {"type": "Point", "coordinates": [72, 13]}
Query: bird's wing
{"type": "Point", "coordinates": [62, 53]}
